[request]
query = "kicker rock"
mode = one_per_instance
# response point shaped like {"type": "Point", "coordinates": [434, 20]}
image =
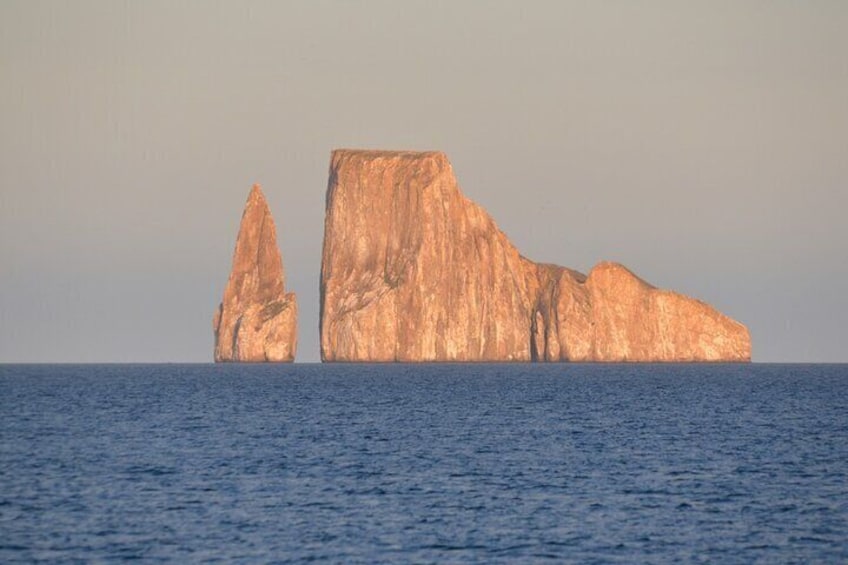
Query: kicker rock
{"type": "Point", "coordinates": [257, 319]}
{"type": "Point", "coordinates": [414, 271]}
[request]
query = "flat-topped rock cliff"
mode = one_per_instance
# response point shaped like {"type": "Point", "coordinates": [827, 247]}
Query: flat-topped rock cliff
{"type": "Point", "coordinates": [414, 271]}
{"type": "Point", "coordinates": [257, 319]}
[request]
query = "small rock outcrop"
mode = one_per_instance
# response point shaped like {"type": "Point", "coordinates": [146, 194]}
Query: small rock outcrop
{"type": "Point", "coordinates": [414, 271]}
{"type": "Point", "coordinates": [257, 319]}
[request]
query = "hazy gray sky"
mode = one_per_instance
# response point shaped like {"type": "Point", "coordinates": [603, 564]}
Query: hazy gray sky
{"type": "Point", "coordinates": [702, 144]}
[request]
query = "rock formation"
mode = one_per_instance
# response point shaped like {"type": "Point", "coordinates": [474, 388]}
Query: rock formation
{"type": "Point", "coordinates": [414, 271]}
{"type": "Point", "coordinates": [613, 315]}
{"type": "Point", "coordinates": [257, 319]}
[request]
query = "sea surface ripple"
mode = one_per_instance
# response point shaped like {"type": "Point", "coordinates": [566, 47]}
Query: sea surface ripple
{"type": "Point", "coordinates": [424, 463]}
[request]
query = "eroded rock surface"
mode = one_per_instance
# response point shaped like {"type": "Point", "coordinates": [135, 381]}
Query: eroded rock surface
{"type": "Point", "coordinates": [613, 315]}
{"type": "Point", "coordinates": [257, 319]}
{"type": "Point", "coordinates": [414, 271]}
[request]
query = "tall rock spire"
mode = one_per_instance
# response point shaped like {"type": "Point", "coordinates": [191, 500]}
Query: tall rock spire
{"type": "Point", "coordinates": [257, 319]}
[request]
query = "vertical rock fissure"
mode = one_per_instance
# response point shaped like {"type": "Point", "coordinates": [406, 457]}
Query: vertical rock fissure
{"type": "Point", "coordinates": [234, 353]}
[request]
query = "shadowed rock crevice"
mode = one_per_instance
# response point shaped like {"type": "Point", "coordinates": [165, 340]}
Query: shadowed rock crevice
{"type": "Point", "coordinates": [257, 319]}
{"type": "Point", "coordinates": [414, 271]}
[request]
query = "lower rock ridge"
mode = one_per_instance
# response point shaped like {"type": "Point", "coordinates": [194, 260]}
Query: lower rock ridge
{"type": "Point", "coordinates": [413, 271]}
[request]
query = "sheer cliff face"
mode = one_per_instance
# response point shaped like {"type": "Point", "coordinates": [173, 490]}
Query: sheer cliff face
{"type": "Point", "coordinates": [414, 271]}
{"type": "Point", "coordinates": [257, 319]}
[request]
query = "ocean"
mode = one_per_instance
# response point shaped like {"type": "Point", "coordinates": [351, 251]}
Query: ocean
{"type": "Point", "coordinates": [424, 463]}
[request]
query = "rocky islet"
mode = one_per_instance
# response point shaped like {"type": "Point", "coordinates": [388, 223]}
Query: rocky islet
{"type": "Point", "coordinates": [257, 319]}
{"type": "Point", "coordinates": [413, 271]}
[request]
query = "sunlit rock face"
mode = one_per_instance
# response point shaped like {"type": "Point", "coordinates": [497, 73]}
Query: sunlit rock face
{"type": "Point", "coordinates": [257, 319]}
{"type": "Point", "coordinates": [414, 271]}
{"type": "Point", "coordinates": [613, 315]}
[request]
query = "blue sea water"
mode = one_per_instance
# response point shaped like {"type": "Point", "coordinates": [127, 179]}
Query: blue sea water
{"type": "Point", "coordinates": [424, 463]}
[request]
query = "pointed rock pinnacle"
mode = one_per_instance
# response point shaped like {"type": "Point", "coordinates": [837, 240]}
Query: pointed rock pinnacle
{"type": "Point", "coordinates": [257, 319]}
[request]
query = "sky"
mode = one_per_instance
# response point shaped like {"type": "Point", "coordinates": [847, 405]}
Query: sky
{"type": "Point", "coordinates": [702, 144]}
